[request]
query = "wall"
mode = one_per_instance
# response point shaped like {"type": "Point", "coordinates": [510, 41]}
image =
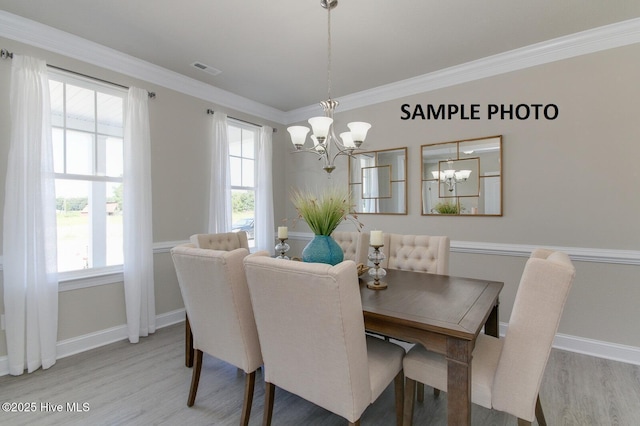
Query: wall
{"type": "Point", "coordinates": [571, 182]}
{"type": "Point", "coordinates": [180, 130]}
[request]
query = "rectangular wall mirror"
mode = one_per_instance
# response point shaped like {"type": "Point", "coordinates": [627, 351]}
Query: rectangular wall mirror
{"type": "Point", "coordinates": [378, 181]}
{"type": "Point", "coordinates": [462, 177]}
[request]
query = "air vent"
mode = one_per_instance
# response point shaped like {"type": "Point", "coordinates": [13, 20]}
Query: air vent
{"type": "Point", "coordinates": [206, 68]}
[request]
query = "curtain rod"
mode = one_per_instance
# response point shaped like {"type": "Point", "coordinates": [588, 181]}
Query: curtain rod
{"type": "Point", "coordinates": [211, 112]}
{"type": "Point", "coordinates": [5, 54]}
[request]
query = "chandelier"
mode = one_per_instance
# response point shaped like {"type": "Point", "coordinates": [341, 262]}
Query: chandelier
{"type": "Point", "coordinates": [451, 177]}
{"type": "Point", "coordinates": [323, 134]}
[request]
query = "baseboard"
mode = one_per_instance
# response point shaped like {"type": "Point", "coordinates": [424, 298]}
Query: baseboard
{"type": "Point", "coordinates": [596, 348]}
{"type": "Point", "coordinates": [591, 347]}
{"type": "Point", "coordinates": [100, 338]}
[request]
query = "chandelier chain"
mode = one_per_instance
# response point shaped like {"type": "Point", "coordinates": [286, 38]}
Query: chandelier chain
{"type": "Point", "coordinates": [329, 52]}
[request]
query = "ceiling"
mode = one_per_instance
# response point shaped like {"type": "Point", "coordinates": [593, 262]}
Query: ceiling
{"type": "Point", "coordinates": [275, 52]}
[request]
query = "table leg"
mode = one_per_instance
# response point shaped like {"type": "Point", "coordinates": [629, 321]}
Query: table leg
{"type": "Point", "coordinates": [459, 354]}
{"type": "Point", "coordinates": [188, 343]}
{"type": "Point", "coordinates": [491, 327]}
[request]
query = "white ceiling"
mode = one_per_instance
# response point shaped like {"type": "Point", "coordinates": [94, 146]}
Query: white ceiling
{"type": "Point", "coordinates": [275, 52]}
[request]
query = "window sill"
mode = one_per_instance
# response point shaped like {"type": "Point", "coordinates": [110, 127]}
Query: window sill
{"type": "Point", "coordinates": [76, 280]}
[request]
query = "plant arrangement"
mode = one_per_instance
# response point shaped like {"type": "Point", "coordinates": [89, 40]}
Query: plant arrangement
{"type": "Point", "coordinates": [324, 212]}
{"type": "Point", "coordinates": [446, 208]}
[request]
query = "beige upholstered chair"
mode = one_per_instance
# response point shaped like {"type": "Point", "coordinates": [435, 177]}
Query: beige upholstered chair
{"type": "Point", "coordinates": [506, 373]}
{"type": "Point", "coordinates": [311, 328]}
{"type": "Point", "coordinates": [420, 253]}
{"type": "Point", "coordinates": [226, 241]}
{"type": "Point", "coordinates": [355, 245]}
{"type": "Point", "coordinates": [217, 301]}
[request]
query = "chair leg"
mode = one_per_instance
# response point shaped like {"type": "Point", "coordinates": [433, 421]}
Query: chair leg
{"type": "Point", "coordinates": [399, 390]}
{"type": "Point", "coordinates": [420, 391]}
{"type": "Point", "coordinates": [436, 392]}
{"type": "Point", "coordinates": [269, 394]}
{"type": "Point", "coordinates": [409, 395]}
{"type": "Point", "coordinates": [523, 422]}
{"type": "Point", "coordinates": [195, 378]}
{"type": "Point", "coordinates": [249, 384]}
{"type": "Point", "coordinates": [540, 413]}
{"type": "Point", "coordinates": [188, 343]}
{"type": "Point", "coordinates": [356, 423]}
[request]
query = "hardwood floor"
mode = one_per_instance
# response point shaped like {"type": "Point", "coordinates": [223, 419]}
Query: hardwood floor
{"type": "Point", "coordinates": [148, 384]}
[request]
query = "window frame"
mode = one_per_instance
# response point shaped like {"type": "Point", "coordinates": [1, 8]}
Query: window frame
{"type": "Point", "coordinates": [99, 275]}
{"type": "Point", "coordinates": [256, 135]}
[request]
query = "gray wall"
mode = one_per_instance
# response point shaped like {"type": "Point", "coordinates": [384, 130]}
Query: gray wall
{"type": "Point", "coordinates": [571, 182]}
{"type": "Point", "coordinates": [180, 131]}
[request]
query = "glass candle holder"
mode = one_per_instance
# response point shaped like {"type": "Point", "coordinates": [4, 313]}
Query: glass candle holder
{"type": "Point", "coordinates": [282, 247]}
{"type": "Point", "coordinates": [377, 273]}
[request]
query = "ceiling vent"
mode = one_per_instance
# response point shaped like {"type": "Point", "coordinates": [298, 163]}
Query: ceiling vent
{"type": "Point", "coordinates": [206, 68]}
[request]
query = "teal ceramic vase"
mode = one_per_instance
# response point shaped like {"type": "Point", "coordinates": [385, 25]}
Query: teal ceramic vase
{"type": "Point", "coordinates": [323, 249]}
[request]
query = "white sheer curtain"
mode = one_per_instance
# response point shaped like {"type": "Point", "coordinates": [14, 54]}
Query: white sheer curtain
{"type": "Point", "coordinates": [264, 193]}
{"type": "Point", "coordinates": [29, 242]}
{"type": "Point", "coordinates": [138, 234]}
{"type": "Point", "coordinates": [220, 179]}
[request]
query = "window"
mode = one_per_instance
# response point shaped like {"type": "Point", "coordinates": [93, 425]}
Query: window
{"type": "Point", "coordinates": [242, 164]}
{"type": "Point", "coordinates": [87, 120]}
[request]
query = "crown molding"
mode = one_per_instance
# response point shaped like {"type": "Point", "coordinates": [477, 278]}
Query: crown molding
{"type": "Point", "coordinates": [33, 33]}
{"type": "Point", "coordinates": [582, 43]}
{"type": "Point", "coordinates": [590, 41]}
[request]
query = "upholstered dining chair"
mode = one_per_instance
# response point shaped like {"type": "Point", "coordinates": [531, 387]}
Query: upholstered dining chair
{"type": "Point", "coordinates": [226, 241]}
{"type": "Point", "coordinates": [507, 372]}
{"type": "Point", "coordinates": [216, 298]}
{"type": "Point", "coordinates": [420, 253]}
{"type": "Point", "coordinates": [311, 329]}
{"type": "Point", "coordinates": [355, 245]}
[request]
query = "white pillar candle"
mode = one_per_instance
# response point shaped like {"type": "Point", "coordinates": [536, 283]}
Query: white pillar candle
{"type": "Point", "coordinates": [376, 238]}
{"type": "Point", "coordinates": [283, 232]}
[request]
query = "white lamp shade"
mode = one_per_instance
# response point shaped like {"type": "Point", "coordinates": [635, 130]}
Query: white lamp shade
{"type": "Point", "coordinates": [436, 175]}
{"type": "Point", "coordinates": [463, 174]}
{"type": "Point", "coordinates": [448, 174]}
{"type": "Point", "coordinates": [320, 126]}
{"type": "Point", "coordinates": [317, 145]}
{"type": "Point", "coordinates": [298, 135]}
{"type": "Point", "coordinates": [347, 140]}
{"type": "Point", "coordinates": [359, 130]}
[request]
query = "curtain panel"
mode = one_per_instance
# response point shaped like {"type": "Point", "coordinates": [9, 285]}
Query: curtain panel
{"type": "Point", "coordinates": [220, 178]}
{"type": "Point", "coordinates": [265, 238]}
{"type": "Point", "coordinates": [138, 231]}
{"type": "Point", "coordinates": [29, 223]}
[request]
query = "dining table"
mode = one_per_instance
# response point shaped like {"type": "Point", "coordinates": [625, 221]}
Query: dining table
{"type": "Point", "coordinates": [443, 313]}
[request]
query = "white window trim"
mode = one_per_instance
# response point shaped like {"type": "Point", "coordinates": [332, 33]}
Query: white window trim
{"type": "Point", "coordinates": [85, 278]}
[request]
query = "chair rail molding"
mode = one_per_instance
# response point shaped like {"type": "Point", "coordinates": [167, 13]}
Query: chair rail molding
{"type": "Point", "coordinates": [579, 254]}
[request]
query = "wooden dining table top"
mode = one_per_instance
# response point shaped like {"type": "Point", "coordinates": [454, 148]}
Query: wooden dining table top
{"type": "Point", "coordinates": [456, 306]}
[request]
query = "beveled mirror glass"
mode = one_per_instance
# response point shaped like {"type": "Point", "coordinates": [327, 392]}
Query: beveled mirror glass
{"type": "Point", "coordinates": [378, 181]}
{"type": "Point", "coordinates": [462, 177]}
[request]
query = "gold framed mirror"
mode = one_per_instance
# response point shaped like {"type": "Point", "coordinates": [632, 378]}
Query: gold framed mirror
{"type": "Point", "coordinates": [378, 181]}
{"type": "Point", "coordinates": [462, 178]}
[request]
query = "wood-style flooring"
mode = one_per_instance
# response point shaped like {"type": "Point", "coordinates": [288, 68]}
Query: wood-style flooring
{"type": "Point", "coordinates": [148, 383]}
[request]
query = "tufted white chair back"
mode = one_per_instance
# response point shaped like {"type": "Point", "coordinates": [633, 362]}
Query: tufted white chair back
{"type": "Point", "coordinates": [225, 241]}
{"type": "Point", "coordinates": [355, 245]}
{"type": "Point", "coordinates": [420, 253]}
{"type": "Point", "coordinates": [311, 330]}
